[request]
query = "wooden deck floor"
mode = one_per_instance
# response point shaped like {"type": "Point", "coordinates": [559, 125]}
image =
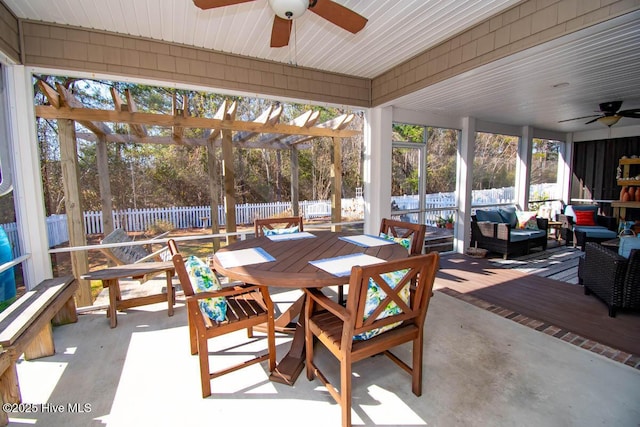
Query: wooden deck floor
{"type": "Point", "coordinates": [554, 307]}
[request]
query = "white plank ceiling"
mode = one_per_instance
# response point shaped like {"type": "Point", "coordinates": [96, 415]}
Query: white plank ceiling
{"type": "Point", "coordinates": [600, 64]}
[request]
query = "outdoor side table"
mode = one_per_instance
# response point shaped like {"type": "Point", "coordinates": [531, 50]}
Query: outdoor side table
{"type": "Point", "coordinates": [111, 276]}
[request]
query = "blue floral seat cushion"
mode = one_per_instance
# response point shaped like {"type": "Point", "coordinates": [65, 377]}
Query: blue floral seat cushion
{"type": "Point", "coordinates": [375, 296]}
{"type": "Point", "coordinates": [405, 242]}
{"type": "Point", "coordinates": [278, 231]}
{"type": "Point", "coordinates": [203, 279]}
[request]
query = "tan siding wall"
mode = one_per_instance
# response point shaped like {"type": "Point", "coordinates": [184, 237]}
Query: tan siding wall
{"type": "Point", "coordinates": [528, 24]}
{"type": "Point", "coordinates": [69, 48]}
{"type": "Point", "coordinates": [9, 38]}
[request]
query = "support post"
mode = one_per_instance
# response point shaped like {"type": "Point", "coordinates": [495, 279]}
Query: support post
{"type": "Point", "coordinates": [336, 187]}
{"type": "Point", "coordinates": [229, 184]}
{"type": "Point", "coordinates": [102, 160]}
{"type": "Point", "coordinates": [213, 190]}
{"type": "Point", "coordinates": [295, 169]}
{"type": "Point", "coordinates": [73, 207]}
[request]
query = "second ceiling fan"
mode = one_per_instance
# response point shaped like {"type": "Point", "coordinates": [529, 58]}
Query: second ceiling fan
{"type": "Point", "coordinates": [288, 10]}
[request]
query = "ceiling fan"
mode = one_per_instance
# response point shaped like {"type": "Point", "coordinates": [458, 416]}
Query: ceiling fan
{"type": "Point", "coordinates": [609, 114]}
{"type": "Point", "coordinates": [288, 10]}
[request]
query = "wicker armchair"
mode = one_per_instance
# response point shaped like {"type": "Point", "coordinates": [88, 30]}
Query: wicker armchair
{"type": "Point", "coordinates": [612, 278]}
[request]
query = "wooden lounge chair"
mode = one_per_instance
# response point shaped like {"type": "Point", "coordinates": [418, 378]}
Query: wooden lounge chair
{"type": "Point", "coordinates": [247, 306]}
{"type": "Point", "coordinates": [134, 254]}
{"type": "Point", "coordinates": [336, 326]}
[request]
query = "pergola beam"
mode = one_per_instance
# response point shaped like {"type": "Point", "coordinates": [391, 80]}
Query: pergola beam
{"type": "Point", "coordinates": [70, 101]}
{"type": "Point", "coordinates": [152, 119]}
{"type": "Point", "coordinates": [270, 116]}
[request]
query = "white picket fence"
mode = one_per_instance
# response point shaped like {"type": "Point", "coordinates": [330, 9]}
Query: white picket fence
{"type": "Point", "coordinates": [437, 204]}
{"type": "Point", "coordinates": [200, 216]}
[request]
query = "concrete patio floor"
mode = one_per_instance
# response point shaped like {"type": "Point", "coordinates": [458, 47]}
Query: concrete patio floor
{"type": "Point", "coordinates": [479, 370]}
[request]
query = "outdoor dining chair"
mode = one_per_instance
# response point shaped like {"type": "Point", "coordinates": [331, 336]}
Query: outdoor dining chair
{"type": "Point", "coordinates": [382, 312]}
{"type": "Point", "coordinates": [408, 234]}
{"type": "Point", "coordinates": [245, 306]}
{"type": "Point", "coordinates": [278, 225]}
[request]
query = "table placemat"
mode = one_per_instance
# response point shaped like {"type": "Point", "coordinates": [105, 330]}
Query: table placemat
{"type": "Point", "coordinates": [367, 240]}
{"type": "Point", "coordinates": [242, 257]}
{"type": "Point", "coordinates": [291, 236]}
{"type": "Point", "coordinates": [341, 266]}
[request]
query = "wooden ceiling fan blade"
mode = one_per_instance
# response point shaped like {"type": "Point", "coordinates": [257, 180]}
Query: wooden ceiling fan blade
{"type": "Point", "coordinates": [280, 32]}
{"type": "Point", "coordinates": [339, 15]}
{"type": "Point", "coordinates": [594, 120]}
{"type": "Point", "coordinates": [212, 4]}
{"type": "Point", "coordinates": [579, 118]}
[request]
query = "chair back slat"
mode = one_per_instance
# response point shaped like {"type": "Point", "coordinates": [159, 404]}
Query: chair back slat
{"type": "Point", "coordinates": [271, 223]}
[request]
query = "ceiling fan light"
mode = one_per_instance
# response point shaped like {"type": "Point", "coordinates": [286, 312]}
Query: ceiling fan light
{"type": "Point", "coordinates": [609, 120]}
{"type": "Point", "coordinates": [289, 9]}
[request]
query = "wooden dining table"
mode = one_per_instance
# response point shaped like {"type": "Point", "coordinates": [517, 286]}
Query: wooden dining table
{"type": "Point", "coordinates": [291, 268]}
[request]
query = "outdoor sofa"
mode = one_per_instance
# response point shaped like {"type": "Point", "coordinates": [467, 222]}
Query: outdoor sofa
{"type": "Point", "coordinates": [581, 224]}
{"type": "Point", "coordinates": [508, 231]}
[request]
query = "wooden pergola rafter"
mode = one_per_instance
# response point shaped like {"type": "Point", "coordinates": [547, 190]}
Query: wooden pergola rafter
{"type": "Point", "coordinates": [223, 130]}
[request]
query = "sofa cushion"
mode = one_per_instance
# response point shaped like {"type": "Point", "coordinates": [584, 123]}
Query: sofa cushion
{"type": "Point", "coordinates": [626, 244]}
{"type": "Point", "coordinates": [509, 216]}
{"type": "Point", "coordinates": [519, 235]}
{"type": "Point", "coordinates": [488, 215]}
{"type": "Point", "coordinates": [596, 232]}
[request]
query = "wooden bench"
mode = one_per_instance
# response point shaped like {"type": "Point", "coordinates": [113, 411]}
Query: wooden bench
{"type": "Point", "coordinates": [26, 328]}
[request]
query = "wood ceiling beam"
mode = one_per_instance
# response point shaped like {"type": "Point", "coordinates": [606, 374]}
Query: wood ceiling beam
{"type": "Point", "coordinates": [70, 101]}
{"type": "Point", "coordinates": [50, 93]}
{"type": "Point", "coordinates": [270, 116]}
{"type": "Point", "coordinates": [219, 115]}
{"type": "Point", "coordinates": [178, 131]}
{"type": "Point", "coordinates": [152, 119]}
{"type": "Point", "coordinates": [336, 123]}
{"type": "Point", "coordinates": [138, 130]}
{"type": "Point", "coordinates": [305, 120]}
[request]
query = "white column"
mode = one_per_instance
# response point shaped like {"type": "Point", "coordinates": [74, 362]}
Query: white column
{"type": "Point", "coordinates": [465, 183]}
{"type": "Point", "coordinates": [564, 170]}
{"type": "Point", "coordinates": [377, 167]}
{"type": "Point", "coordinates": [28, 193]}
{"type": "Point", "coordinates": [523, 166]}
